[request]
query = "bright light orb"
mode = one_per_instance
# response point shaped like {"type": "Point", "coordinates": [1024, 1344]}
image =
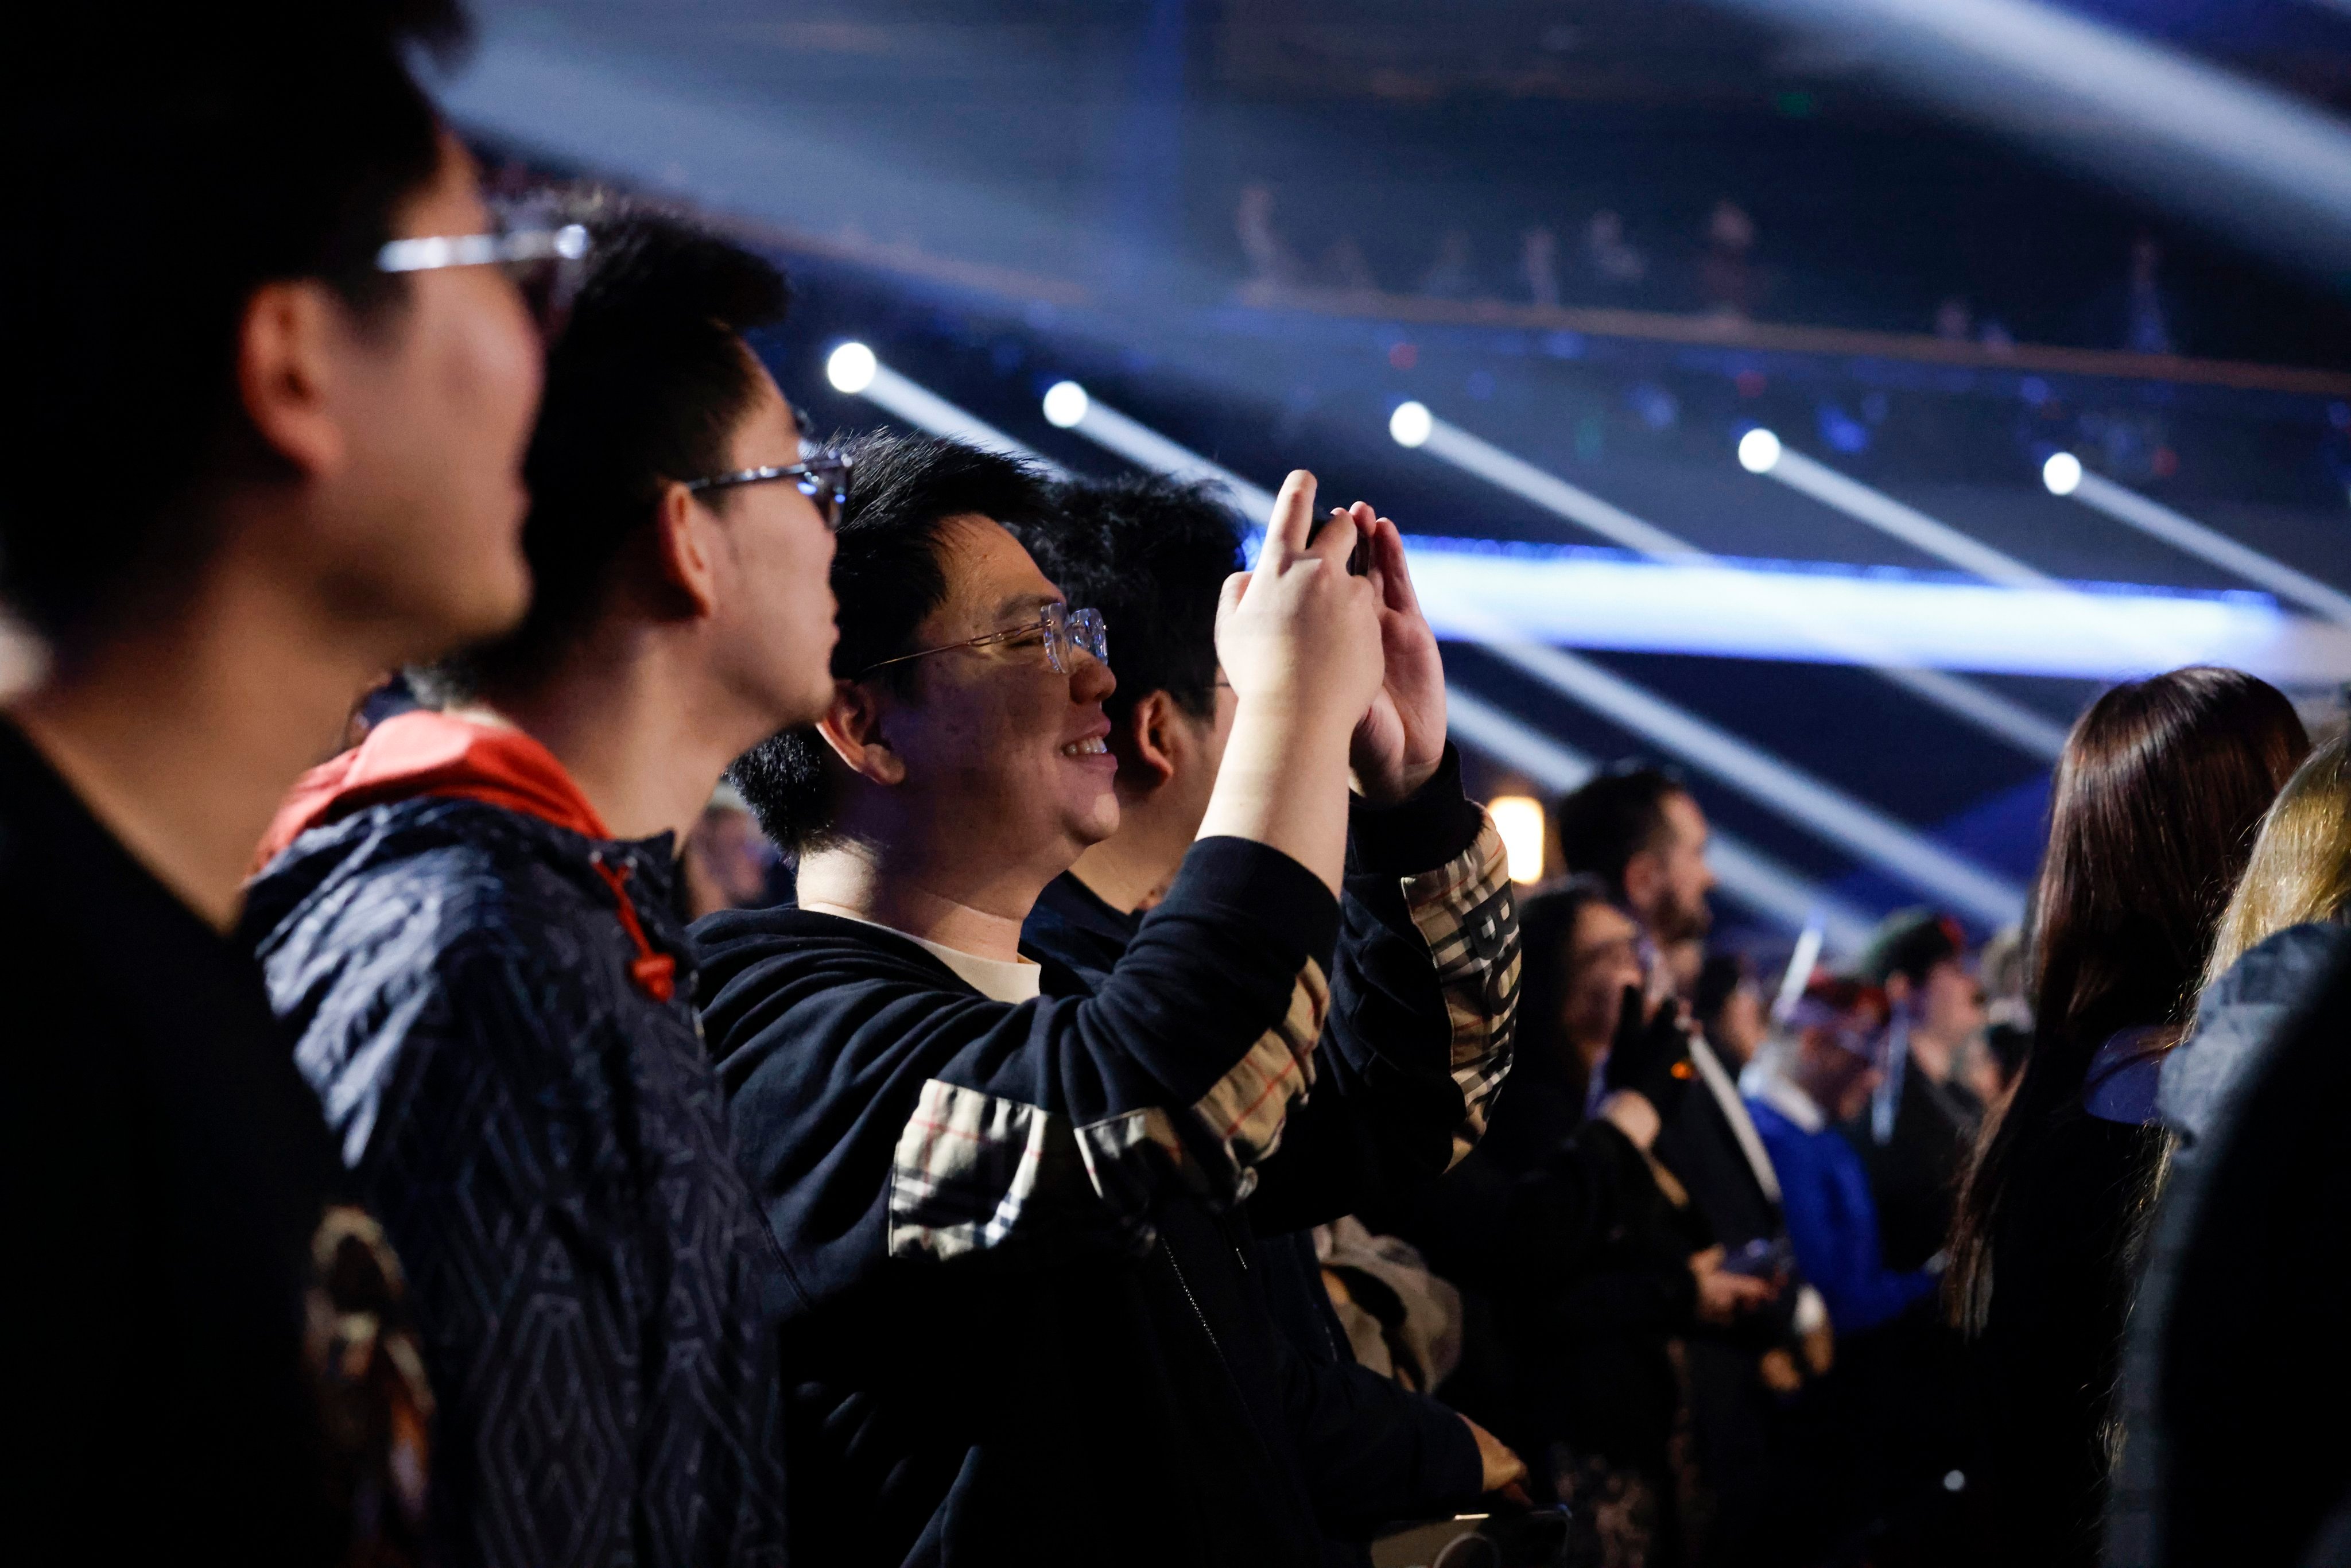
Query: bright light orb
{"type": "Point", "coordinates": [1410, 423]}
{"type": "Point", "coordinates": [1759, 450]}
{"type": "Point", "coordinates": [1519, 820]}
{"type": "Point", "coordinates": [2062, 472]}
{"type": "Point", "coordinates": [1065, 404]}
{"type": "Point", "coordinates": [850, 369]}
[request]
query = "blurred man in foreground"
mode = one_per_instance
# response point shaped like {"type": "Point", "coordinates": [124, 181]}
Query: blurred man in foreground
{"type": "Point", "coordinates": [471, 928]}
{"type": "Point", "coordinates": [268, 450]}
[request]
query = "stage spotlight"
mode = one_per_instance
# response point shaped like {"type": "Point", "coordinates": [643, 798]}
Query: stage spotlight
{"type": "Point", "coordinates": [1519, 820]}
{"type": "Point", "coordinates": [1410, 423]}
{"type": "Point", "coordinates": [850, 369]}
{"type": "Point", "coordinates": [2062, 472]}
{"type": "Point", "coordinates": [1065, 404]}
{"type": "Point", "coordinates": [1759, 450]}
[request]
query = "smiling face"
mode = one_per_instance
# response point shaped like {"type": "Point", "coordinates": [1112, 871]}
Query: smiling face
{"type": "Point", "coordinates": [1004, 756]}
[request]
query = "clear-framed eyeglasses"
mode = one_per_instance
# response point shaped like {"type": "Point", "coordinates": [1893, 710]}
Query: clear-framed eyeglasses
{"type": "Point", "coordinates": [821, 474]}
{"type": "Point", "coordinates": [1064, 632]}
{"type": "Point", "coordinates": [546, 261]}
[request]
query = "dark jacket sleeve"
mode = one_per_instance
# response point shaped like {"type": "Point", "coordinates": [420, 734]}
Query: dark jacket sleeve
{"type": "Point", "coordinates": [884, 1109]}
{"type": "Point", "coordinates": [1373, 1450]}
{"type": "Point", "coordinates": [1423, 997]}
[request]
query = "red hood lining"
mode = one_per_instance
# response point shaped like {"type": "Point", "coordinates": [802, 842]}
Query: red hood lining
{"type": "Point", "coordinates": [426, 753]}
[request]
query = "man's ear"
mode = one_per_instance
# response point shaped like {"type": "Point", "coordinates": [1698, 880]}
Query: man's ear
{"type": "Point", "coordinates": [684, 545]}
{"type": "Point", "coordinates": [285, 351]}
{"type": "Point", "coordinates": [1150, 742]}
{"type": "Point", "coordinates": [1897, 987]}
{"type": "Point", "coordinates": [852, 726]}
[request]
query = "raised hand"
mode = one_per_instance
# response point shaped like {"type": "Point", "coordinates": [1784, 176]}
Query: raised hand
{"type": "Point", "coordinates": [1299, 632]}
{"type": "Point", "coordinates": [1401, 740]}
{"type": "Point", "coordinates": [1299, 642]}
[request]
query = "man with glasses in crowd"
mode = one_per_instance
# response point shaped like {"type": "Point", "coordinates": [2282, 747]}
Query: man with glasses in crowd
{"type": "Point", "coordinates": [1424, 985]}
{"type": "Point", "coordinates": [1007, 1193]}
{"type": "Point", "coordinates": [470, 924]}
{"type": "Point", "coordinates": [251, 467]}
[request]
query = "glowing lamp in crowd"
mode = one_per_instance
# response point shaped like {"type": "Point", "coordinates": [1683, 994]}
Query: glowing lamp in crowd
{"type": "Point", "coordinates": [850, 369]}
{"type": "Point", "coordinates": [1410, 423]}
{"type": "Point", "coordinates": [2062, 472]}
{"type": "Point", "coordinates": [1519, 820]}
{"type": "Point", "coordinates": [1759, 450]}
{"type": "Point", "coordinates": [1065, 404]}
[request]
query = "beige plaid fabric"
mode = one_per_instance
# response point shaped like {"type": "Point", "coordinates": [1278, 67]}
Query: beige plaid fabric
{"type": "Point", "coordinates": [1468, 911]}
{"type": "Point", "coordinates": [973, 1170]}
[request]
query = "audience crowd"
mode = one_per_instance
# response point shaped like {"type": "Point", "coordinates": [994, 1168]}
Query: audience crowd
{"type": "Point", "coordinates": [1115, 1106]}
{"type": "Point", "coordinates": [1709, 268]}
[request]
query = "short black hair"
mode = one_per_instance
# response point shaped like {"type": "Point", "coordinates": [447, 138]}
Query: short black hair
{"type": "Point", "coordinates": [1616, 814]}
{"type": "Point", "coordinates": [887, 577]}
{"type": "Point", "coordinates": [1910, 943]}
{"type": "Point", "coordinates": [1150, 554]}
{"type": "Point", "coordinates": [645, 386]}
{"type": "Point", "coordinates": [169, 161]}
{"type": "Point", "coordinates": [1719, 979]}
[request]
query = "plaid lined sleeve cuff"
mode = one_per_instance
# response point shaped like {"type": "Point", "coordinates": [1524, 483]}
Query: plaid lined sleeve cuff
{"type": "Point", "coordinates": [1468, 911]}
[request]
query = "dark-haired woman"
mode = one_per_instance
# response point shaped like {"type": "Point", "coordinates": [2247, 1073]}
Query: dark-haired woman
{"type": "Point", "coordinates": [2158, 793]}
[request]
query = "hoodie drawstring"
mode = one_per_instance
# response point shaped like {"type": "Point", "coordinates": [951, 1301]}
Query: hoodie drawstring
{"type": "Point", "coordinates": [654, 973]}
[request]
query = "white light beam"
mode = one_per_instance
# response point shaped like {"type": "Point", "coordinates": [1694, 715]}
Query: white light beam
{"type": "Point", "coordinates": [2184, 533]}
{"type": "Point", "coordinates": [925, 410]}
{"type": "Point", "coordinates": [2031, 733]}
{"type": "Point", "coordinates": [1829, 812]}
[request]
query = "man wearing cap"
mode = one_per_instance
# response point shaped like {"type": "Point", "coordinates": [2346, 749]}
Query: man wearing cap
{"type": "Point", "coordinates": [1914, 1134]}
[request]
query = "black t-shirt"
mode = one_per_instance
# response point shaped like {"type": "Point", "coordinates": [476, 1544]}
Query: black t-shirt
{"type": "Point", "coordinates": [200, 1355]}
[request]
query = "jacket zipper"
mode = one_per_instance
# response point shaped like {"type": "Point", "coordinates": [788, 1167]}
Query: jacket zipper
{"type": "Point", "coordinates": [1198, 1316]}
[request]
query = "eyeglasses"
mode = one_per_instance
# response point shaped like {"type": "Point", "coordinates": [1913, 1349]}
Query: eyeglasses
{"type": "Point", "coordinates": [545, 262]}
{"type": "Point", "coordinates": [821, 474]}
{"type": "Point", "coordinates": [1059, 627]}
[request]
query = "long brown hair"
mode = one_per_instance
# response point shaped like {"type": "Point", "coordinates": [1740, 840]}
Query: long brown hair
{"type": "Point", "coordinates": [2157, 796]}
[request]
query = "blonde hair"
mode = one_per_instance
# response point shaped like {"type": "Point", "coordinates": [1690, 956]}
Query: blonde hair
{"type": "Point", "coordinates": [2300, 869]}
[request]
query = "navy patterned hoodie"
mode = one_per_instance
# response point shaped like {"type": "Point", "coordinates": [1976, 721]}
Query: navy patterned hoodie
{"type": "Point", "coordinates": [493, 1000]}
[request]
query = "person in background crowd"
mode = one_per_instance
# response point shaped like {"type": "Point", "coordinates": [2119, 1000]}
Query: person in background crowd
{"type": "Point", "coordinates": [1728, 281]}
{"type": "Point", "coordinates": [1615, 266]}
{"type": "Point", "coordinates": [1920, 1124]}
{"type": "Point", "coordinates": [1596, 1260]}
{"type": "Point", "coordinates": [2235, 1339]}
{"type": "Point", "coordinates": [1271, 262]}
{"type": "Point", "coordinates": [1413, 1053]}
{"type": "Point", "coordinates": [1538, 265]}
{"type": "Point", "coordinates": [1991, 1070]}
{"type": "Point", "coordinates": [1454, 274]}
{"type": "Point", "coordinates": [470, 929]}
{"type": "Point", "coordinates": [2157, 795]}
{"type": "Point", "coordinates": [1728, 1006]}
{"type": "Point", "coordinates": [2281, 939]}
{"type": "Point", "coordinates": [1641, 832]}
{"type": "Point", "coordinates": [305, 468]}
{"type": "Point", "coordinates": [1877, 1436]}
{"type": "Point", "coordinates": [1010, 1197]}
{"type": "Point", "coordinates": [2282, 926]}
{"type": "Point", "coordinates": [727, 860]}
